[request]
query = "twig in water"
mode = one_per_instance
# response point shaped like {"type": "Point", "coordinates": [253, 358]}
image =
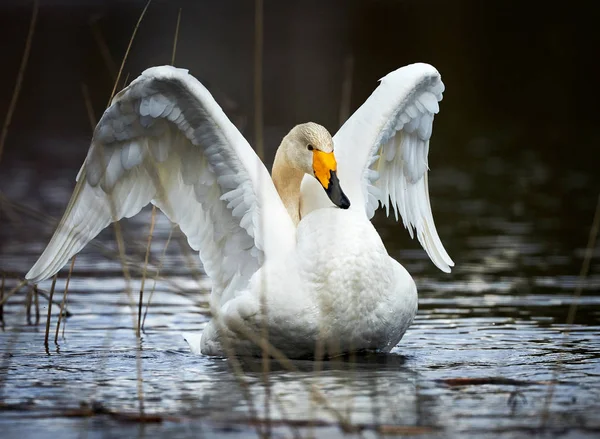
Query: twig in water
{"type": "Point", "coordinates": [15, 96]}
{"type": "Point", "coordinates": [585, 267]}
{"type": "Point", "coordinates": [50, 310]}
{"type": "Point", "coordinates": [64, 300]}
{"type": "Point", "coordinates": [481, 381]}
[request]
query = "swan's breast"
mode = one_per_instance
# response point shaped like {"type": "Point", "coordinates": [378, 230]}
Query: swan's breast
{"type": "Point", "coordinates": [363, 298]}
{"type": "Point", "coordinates": [348, 272]}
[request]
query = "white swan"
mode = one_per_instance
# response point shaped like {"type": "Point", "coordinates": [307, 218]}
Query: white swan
{"type": "Point", "coordinates": [280, 254]}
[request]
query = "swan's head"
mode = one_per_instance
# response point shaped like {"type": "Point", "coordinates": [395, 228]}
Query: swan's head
{"type": "Point", "coordinates": [309, 147]}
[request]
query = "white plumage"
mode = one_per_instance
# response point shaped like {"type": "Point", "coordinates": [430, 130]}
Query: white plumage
{"type": "Point", "coordinates": [165, 140]}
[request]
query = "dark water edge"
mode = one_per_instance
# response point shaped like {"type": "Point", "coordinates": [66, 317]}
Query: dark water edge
{"type": "Point", "coordinates": [513, 184]}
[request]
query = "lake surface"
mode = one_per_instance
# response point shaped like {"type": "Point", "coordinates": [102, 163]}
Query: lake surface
{"type": "Point", "coordinates": [514, 183]}
{"type": "Point", "coordinates": [500, 317]}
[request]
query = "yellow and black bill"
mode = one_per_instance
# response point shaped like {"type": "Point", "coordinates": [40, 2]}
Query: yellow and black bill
{"type": "Point", "coordinates": [325, 169]}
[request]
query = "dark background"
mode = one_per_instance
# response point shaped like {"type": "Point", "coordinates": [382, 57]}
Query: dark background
{"type": "Point", "coordinates": [521, 84]}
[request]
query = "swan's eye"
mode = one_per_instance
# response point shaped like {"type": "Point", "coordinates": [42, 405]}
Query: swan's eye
{"type": "Point", "coordinates": [310, 147]}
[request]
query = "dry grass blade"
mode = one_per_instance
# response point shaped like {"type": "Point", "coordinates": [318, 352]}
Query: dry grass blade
{"type": "Point", "coordinates": [36, 302]}
{"type": "Point", "coordinates": [160, 264]}
{"type": "Point", "coordinates": [88, 105]}
{"type": "Point", "coordinates": [2, 297]}
{"type": "Point", "coordinates": [238, 372]}
{"type": "Point", "coordinates": [258, 76]}
{"type": "Point", "coordinates": [150, 234]}
{"type": "Point", "coordinates": [50, 310]}
{"type": "Point", "coordinates": [189, 258]}
{"type": "Point", "coordinates": [17, 90]}
{"type": "Point", "coordinates": [28, 301]}
{"type": "Point", "coordinates": [176, 37]}
{"type": "Point", "coordinates": [64, 300]}
{"type": "Point", "coordinates": [7, 208]}
{"type": "Point", "coordinates": [259, 140]}
{"type": "Point", "coordinates": [111, 66]}
{"type": "Point", "coordinates": [134, 265]}
{"type": "Point", "coordinates": [11, 292]}
{"type": "Point", "coordinates": [127, 51]}
{"type": "Point", "coordinates": [285, 362]}
{"type": "Point", "coordinates": [346, 100]}
{"type": "Point", "coordinates": [119, 233]}
{"type": "Point", "coordinates": [153, 220]}
{"type": "Point", "coordinates": [585, 267]}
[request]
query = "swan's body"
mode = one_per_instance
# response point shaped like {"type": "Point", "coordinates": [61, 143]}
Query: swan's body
{"type": "Point", "coordinates": [282, 257]}
{"type": "Point", "coordinates": [347, 294]}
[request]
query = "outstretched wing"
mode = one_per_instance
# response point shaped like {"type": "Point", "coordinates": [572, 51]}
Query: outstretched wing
{"type": "Point", "coordinates": [382, 152]}
{"type": "Point", "coordinates": [165, 140]}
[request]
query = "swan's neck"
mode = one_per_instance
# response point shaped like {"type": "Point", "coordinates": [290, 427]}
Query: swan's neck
{"type": "Point", "coordinates": [287, 180]}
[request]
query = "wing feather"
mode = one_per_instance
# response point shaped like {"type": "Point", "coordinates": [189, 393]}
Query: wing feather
{"type": "Point", "coordinates": [390, 134]}
{"type": "Point", "coordinates": [165, 140]}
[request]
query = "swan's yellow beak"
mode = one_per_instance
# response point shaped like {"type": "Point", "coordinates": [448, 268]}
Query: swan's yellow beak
{"type": "Point", "coordinates": [325, 169]}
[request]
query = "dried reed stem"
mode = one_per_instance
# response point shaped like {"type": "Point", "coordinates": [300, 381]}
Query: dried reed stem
{"type": "Point", "coordinates": [585, 267]}
{"type": "Point", "coordinates": [176, 37]}
{"type": "Point", "coordinates": [111, 66]}
{"type": "Point", "coordinates": [64, 300]}
{"type": "Point", "coordinates": [17, 90]}
{"type": "Point", "coordinates": [2, 297]}
{"type": "Point", "coordinates": [11, 292]}
{"type": "Point", "coordinates": [139, 377]}
{"type": "Point", "coordinates": [160, 264]}
{"type": "Point", "coordinates": [284, 361]}
{"type": "Point", "coordinates": [238, 372]}
{"type": "Point", "coordinates": [88, 105]}
{"type": "Point", "coordinates": [133, 264]}
{"type": "Point", "coordinates": [126, 79]}
{"type": "Point", "coordinates": [189, 258]}
{"type": "Point", "coordinates": [127, 51]}
{"type": "Point", "coordinates": [118, 232]}
{"type": "Point", "coordinates": [260, 150]}
{"type": "Point", "coordinates": [36, 302]}
{"type": "Point", "coordinates": [49, 310]}
{"type": "Point", "coordinates": [7, 208]}
{"type": "Point", "coordinates": [152, 222]}
{"type": "Point", "coordinates": [28, 305]}
{"type": "Point", "coordinates": [346, 98]}
{"type": "Point", "coordinates": [258, 76]}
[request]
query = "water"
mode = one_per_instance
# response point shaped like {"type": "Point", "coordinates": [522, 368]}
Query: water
{"type": "Point", "coordinates": [513, 190]}
{"type": "Point", "coordinates": [500, 314]}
